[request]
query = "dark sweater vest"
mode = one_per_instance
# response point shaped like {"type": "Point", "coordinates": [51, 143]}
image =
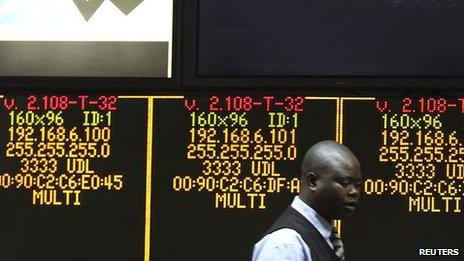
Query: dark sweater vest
{"type": "Point", "coordinates": [320, 250]}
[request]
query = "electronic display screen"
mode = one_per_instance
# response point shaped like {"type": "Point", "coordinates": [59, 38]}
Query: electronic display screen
{"type": "Point", "coordinates": [86, 38]}
{"type": "Point", "coordinates": [73, 177]}
{"type": "Point", "coordinates": [202, 176]}
{"type": "Point", "coordinates": [331, 38]}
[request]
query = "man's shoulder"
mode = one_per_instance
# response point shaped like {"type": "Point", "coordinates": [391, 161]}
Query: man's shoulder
{"type": "Point", "coordinates": [282, 243]}
{"type": "Point", "coordinates": [283, 235]}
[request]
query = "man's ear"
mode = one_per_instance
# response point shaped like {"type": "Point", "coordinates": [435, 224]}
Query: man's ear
{"type": "Point", "coordinates": [310, 179]}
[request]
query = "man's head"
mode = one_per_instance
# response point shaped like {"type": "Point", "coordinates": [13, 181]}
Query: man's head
{"type": "Point", "coordinates": [331, 180]}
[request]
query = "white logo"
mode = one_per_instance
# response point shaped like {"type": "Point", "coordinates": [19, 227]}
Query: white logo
{"type": "Point", "coordinates": [89, 7]}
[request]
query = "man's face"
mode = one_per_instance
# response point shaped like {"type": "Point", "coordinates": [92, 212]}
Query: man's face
{"type": "Point", "coordinates": [339, 189]}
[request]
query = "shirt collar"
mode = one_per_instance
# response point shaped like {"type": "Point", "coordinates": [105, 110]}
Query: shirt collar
{"type": "Point", "coordinates": [324, 227]}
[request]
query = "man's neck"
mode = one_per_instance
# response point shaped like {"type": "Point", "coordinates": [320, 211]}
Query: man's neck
{"type": "Point", "coordinates": [310, 202]}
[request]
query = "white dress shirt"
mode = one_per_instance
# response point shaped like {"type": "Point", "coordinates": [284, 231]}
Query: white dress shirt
{"type": "Point", "coordinates": [286, 243]}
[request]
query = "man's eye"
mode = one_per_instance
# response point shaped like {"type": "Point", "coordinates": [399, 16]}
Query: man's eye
{"type": "Point", "coordinates": [347, 182]}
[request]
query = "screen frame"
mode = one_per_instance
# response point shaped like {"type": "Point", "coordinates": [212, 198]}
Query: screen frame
{"type": "Point", "coordinates": [192, 79]}
{"type": "Point", "coordinates": [129, 84]}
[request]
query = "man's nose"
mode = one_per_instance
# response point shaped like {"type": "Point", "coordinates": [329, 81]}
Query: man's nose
{"type": "Point", "coordinates": [354, 191]}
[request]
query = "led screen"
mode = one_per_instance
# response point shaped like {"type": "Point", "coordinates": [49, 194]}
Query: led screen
{"type": "Point", "coordinates": [330, 38]}
{"type": "Point", "coordinates": [135, 177]}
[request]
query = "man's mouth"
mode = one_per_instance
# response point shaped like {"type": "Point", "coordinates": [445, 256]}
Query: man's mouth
{"type": "Point", "coordinates": [351, 205]}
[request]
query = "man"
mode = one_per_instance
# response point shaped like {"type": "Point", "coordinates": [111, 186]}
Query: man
{"type": "Point", "coordinates": [330, 189]}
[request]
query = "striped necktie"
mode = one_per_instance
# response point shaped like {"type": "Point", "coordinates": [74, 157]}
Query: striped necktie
{"type": "Point", "coordinates": [337, 244]}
